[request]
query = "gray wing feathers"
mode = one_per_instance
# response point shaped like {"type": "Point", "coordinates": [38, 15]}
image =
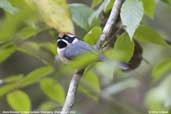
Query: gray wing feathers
{"type": "Point", "coordinates": [77, 49]}
{"type": "Point", "coordinates": [80, 47]}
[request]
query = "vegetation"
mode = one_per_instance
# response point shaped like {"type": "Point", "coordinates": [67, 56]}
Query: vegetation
{"type": "Point", "coordinates": [32, 80]}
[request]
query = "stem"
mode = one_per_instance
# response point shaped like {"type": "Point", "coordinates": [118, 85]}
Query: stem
{"type": "Point", "coordinates": [110, 23]}
{"type": "Point", "coordinates": [70, 98]}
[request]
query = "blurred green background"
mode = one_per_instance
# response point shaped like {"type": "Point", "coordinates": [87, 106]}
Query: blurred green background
{"type": "Point", "coordinates": [31, 79]}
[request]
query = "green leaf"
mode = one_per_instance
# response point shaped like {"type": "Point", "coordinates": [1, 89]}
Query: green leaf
{"type": "Point", "coordinates": [149, 7]}
{"type": "Point", "coordinates": [124, 45]}
{"type": "Point", "coordinates": [27, 32]}
{"type": "Point", "coordinates": [161, 68]}
{"type": "Point", "coordinates": [51, 47]}
{"type": "Point", "coordinates": [21, 4]}
{"type": "Point", "coordinates": [36, 75]}
{"type": "Point", "coordinates": [80, 14]}
{"type": "Point", "coordinates": [84, 59]}
{"type": "Point", "coordinates": [109, 5]}
{"type": "Point", "coordinates": [158, 98]}
{"type": "Point", "coordinates": [95, 3]}
{"type": "Point", "coordinates": [6, 51]}
{"type": "Point", "coordinates": [13, 22]}
{"type": "Point", "coordinates": [154, 99]}
{"type": "Point", "coordinates": [94, 18]}
{"type": "Point", "coordinates": [131, 15]}
{"type": "Point", "coordinates": [92, 36]}
{"type": "Point", "coordinates": [53, 90]}
{"type": "Point", "coordinates": [114, 54]}
{"type": "Point", "coordinates": [90, 85]}
{"type": "Point", "coordinates": [7, 6]}
{"type": "Point", "coordinates": [92, 81]}
{"type": "Point", "coordinates": [13, 78]}
{"type": "Point", "coordinates": [19, 101]}
{"type": "Point", "coordinates": [107, 68]}
{"type": "Point", "coordinates": [6, 88]}
{"type": "Point", "coordinates": [30, 48]}
{"type": "Point", "coordinates": [55, 14]}
{"type": "Point", "coordinates": [147, 34]}
{"type": "Point", "coordinates": [167, 1]}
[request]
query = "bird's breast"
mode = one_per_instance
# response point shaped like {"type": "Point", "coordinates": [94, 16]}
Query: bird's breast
{"type": "Point", "coordinates": [61, 55]}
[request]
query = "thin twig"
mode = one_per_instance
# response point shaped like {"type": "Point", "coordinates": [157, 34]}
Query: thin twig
{"type": "Point", "coordinates": [110, 23]}
{"type": "Point", "coordinates": [70, 98]}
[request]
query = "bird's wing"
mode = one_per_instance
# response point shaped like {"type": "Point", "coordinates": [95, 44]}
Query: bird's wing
{"type": "Point", "coordinates": [78, 49]}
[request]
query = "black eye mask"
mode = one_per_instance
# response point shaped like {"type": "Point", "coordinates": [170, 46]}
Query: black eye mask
{"type": "Point", "coordinates": [69, 39]}
{"type": "Point", "coordinates": [61, 44]}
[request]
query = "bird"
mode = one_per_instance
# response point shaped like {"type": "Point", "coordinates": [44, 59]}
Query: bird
{"type": "Point", "coordinates": [69, 46]}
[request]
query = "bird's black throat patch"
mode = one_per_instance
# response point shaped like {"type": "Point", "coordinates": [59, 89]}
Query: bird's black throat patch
{"type": "Point", "coordinates": [61, 44]}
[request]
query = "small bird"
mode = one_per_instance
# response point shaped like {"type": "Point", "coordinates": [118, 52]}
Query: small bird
{"type": "Point", "coordinates": [69, 46]}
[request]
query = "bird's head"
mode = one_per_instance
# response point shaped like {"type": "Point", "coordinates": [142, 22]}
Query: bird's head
{"type": "Point", "coordinates": [66, 39]}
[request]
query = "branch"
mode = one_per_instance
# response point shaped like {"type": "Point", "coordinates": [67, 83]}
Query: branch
{"type": "Point", "coordinates": [110, 23]}
{"type": "Point", "coordinates": [70, 98]}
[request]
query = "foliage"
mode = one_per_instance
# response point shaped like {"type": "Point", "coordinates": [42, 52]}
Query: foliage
{"type": "Point", "coordinates": [147, 34]}
{"type": "Point", "coordinates": [51, 10]}
{"type": "Point", "coordinates": [131, 15]}
{"type": "Point", "coordinates": [79, 13]}
{"type": "Point", "coordinates": [149, 7]}
{"type": "Point", "coordinates": [92, 36]}
{"type": "Point", "coordinates": [127, 49]}
{"type": "Point", "coordinates": [53, 90]}
{"type": "Point", "coordinates": [19, 101]}
{"type": "Point", "coordinates": [25, 21]}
